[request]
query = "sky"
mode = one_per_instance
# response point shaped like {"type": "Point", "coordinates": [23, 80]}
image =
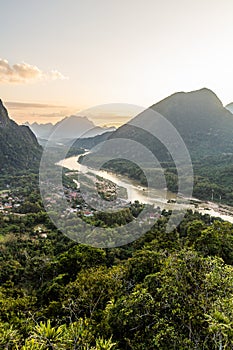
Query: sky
{"type": "Point", "coordinates": [60, 57]}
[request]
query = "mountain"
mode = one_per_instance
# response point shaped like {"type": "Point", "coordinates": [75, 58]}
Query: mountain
{"type": "Point", "coordinates": [200, 118]}
{"type": "Point", "coordinates": [206, 128]}
{"type": "Point", "coordinates": [72, 127]}
{"type": "Point", "coordinates": [229, 107]}
{"type": "Point", "coordinates": [19, 147]}
{"type": "Point", "coordinates": [40, 130]}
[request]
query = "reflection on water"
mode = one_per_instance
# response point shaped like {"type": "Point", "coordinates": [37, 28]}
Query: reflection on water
{"type": "Point", "coordinates": [156, 197]}
{"type": "Point", "coordinates": [134, 191]}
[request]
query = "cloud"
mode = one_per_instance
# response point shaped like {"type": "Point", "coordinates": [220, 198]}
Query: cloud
{"type": "Point", "coordinates": [25, 105]}
{"type": "Point", "coordinates": [21, 73]}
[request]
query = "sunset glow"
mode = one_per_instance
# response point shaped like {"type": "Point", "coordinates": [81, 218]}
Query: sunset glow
{"type": "Point", "coordinates": [69, 56]}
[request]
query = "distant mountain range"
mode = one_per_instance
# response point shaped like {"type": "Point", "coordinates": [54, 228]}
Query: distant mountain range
{"type": "Point", "coordinates": [199, 116]}
{"type": "Point", "coordinates": [19, 149]}
{"type": "Point", "coordinates": [73, 127]}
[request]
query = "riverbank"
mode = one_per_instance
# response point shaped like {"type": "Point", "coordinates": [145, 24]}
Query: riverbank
{"type": "Point", "coordinates": [162, 198]}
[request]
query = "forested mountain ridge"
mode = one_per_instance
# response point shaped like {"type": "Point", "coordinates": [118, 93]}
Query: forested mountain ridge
{"type": "Point", "coordinates": [163, 291]}
{"type": "Point", "coordinates": [19, 147]}
{"type": "Point", "coordinates": [200, 118]}
{"type": "Point", "coordinates": [206, 128]}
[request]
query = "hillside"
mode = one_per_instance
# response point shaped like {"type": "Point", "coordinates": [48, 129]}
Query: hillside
{"type": "Point", "coordinates": [19, 147]}
{"type": "Point", "coordinates": [89, 142]}
{"type": "Point", "coordinates": [200, 118]}
{"type": "Point", "coordinates": [165, 289]}
{"type": "Point", "coordinates": [205, 126]}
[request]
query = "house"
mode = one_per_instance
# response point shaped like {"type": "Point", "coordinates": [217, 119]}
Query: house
{"type": "Point", "coordinates": [7, 206]}
{"type": "Point", "coordinates": [88, 214]}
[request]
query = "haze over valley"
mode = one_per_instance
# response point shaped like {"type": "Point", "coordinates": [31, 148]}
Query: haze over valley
{"type": "Point", "coordinates": [116, 167]}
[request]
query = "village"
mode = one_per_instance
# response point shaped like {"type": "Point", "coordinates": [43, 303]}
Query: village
{"type": "Point", "coordinates": [96, 194]}
{"type": "Point", "coordinates": [8, 202]}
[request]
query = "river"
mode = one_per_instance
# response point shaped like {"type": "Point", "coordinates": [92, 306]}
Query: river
{"type": "Point", "coordinates": [155, 197]}
{"type": "Point", "coordinates": [134, 190]}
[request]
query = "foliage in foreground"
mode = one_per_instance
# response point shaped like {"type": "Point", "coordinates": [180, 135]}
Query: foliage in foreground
{"type": "Point", "coordinates": [164, 291]}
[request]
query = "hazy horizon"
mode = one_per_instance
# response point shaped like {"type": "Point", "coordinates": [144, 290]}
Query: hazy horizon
{"type": "Point", "coordinates": [70, 56]}
{"type": "Point", "coordinates": [107, 115]}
